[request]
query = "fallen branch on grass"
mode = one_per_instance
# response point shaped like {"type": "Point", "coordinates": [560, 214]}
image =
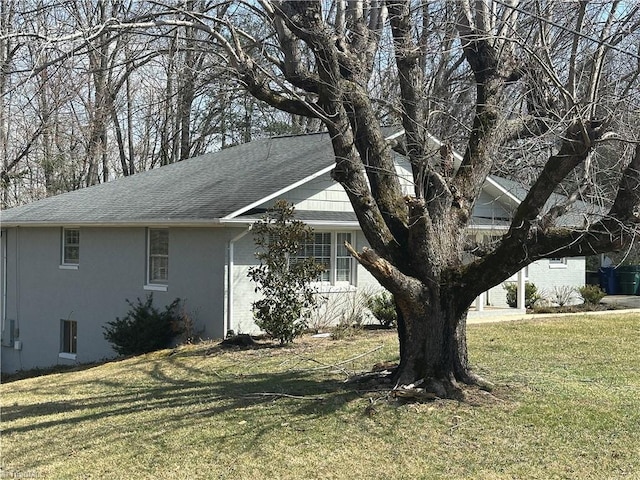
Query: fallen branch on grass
{"type": "Point", "coordinates": [283, 395]}
{"type": "Point", "coordinates": [336, 365]}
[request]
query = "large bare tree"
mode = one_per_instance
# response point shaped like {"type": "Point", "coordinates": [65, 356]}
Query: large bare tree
{"type": "Point", "coordinates": [559, 73]}
{"type": "Point", "coordinates": [553, 85]}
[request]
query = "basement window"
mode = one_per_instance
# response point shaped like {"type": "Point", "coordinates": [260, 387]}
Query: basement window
{"type": "Point", "coordinates": [68, 339]}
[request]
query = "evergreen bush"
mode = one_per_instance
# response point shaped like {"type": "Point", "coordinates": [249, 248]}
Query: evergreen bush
{"type": "Point", "coordinates": [531, 294]}
{"type": "Point", "coordinates": [383, 308]}
{"type": "Point", "coordinates": [145, 328]}
{"type": "Point", "coordinates": [591, 294]}
{"type": "Point", "coordinates": [284, 276]}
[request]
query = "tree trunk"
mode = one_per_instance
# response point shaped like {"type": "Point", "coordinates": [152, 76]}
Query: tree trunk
{"type": "Point", "coordinates": [433, 345]}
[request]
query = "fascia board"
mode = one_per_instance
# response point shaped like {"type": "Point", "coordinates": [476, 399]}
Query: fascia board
{"type": "Point", "coordinates": [278, 193]}
{"type": "Point", "coordinates": [313, 223]}
{"type": "Point", "coordinates": [125, 223]}
{"type": "Point", "coordinates": [504, 192]}
{"type": "Point", "coordinates": [488, 227]}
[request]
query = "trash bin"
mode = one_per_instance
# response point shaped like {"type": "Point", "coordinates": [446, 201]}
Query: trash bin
{"type": "Point", "coordinates": [629, 280]}
{"type": "Point", "coordinates": [608, 280]}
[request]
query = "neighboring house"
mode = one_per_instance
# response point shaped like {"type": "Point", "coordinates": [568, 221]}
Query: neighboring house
{"type": "Point", "coordinates": [69, 262]}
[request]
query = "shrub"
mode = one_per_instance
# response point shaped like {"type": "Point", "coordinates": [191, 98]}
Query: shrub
{"type": "Point", "coordinates": [562, 295]}
{"type": "Point", "coordinates": [344, 330]}
{"type": "Point", "coordinates": [339, 307]}
{"type": "Point", "coordinates": [591, 294]}
{"type": "Point", "coordinates": [531, 294]}
{"type": "Point", "coordinates": [383, 308]}
{"type": "Point", "coordinates": [145, 328]}
{"type": "Point", "coordinates": [283, 276]}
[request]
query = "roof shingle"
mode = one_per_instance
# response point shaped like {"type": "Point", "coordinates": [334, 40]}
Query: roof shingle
{"type": "Point", "coordinates": [200, 189]}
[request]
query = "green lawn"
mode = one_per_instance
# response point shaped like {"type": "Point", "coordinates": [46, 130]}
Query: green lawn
{"type": "Point", "coordinates": [567, 406]}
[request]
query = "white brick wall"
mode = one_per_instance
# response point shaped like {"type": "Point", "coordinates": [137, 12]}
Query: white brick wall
{"type": "Point", "coordinates": [546, 277]}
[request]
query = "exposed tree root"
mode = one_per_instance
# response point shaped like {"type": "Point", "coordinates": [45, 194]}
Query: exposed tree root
{"type": "Point", "coordinates": [473, 379]}
{"type": "Point", "coordinates": [432, 388]}
{"type": "Point", "coordinates": [383, 377]}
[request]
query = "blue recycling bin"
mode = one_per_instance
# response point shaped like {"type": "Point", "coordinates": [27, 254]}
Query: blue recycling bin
{"type": "Point", "coordinates": [609, 280]}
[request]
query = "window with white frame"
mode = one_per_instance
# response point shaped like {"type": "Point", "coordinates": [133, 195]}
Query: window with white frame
{"type": "Point", "coordinates": [70, 246]}
{"type": "Point", "coordinates": [558, 262]}
{"type": "Point", "coordinates": [158, 260]}
{"type": "Point", "coordinates": [68, 337]}
{"type": "Point", "coordinates": [327, 248]}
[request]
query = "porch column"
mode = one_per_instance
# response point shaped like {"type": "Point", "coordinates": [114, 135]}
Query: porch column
{"type": "Point", "coordinates": [480, 302]}
{"type": "Point", "coordinates": [520, 300]}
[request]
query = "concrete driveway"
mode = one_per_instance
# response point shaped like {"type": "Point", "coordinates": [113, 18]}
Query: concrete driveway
{"type": "Point", "coordinates": [624, 301]}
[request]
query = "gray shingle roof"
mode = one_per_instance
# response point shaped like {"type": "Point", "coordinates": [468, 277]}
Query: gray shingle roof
{"type": "Point", "coordinates": [205, 189]}
{"type": "Point", "coordinates": [201, 189]}
{"type": "Point", "coordinates": [579, 212]}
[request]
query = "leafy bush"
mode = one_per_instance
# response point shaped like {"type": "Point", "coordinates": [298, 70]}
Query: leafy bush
{"type": "Point", "coordinates": [531, 294]}
{"type": "Point", "coordinates": [283, 276]}
{"type": "Point", "coordinates": [145, 328]}
{"type": "Point", "coordinates": [591, 294]}
{"type": "Point", "coordinates": [383, 308]}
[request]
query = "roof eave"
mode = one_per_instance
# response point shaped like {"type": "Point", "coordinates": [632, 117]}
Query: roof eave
{"type": "Point", "coordinates": [334, 224]}
{"type": "Point", "coordinates": [150, 222]}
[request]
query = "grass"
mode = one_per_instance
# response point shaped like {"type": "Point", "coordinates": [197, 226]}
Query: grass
{"type": "Point", "coordinates": [567, 407]}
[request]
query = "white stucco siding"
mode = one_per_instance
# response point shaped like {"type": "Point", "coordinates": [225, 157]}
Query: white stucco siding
{"type": "Point", "coordinates": [242, 291]}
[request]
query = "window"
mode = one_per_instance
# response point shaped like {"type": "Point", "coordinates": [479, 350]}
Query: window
{"type": "Point", "coordinates": [344, 260]}
{"type": "Point", "coordinates": [70, 246]}
{"type": "Point", "coordinates": [319, 247]}
{"type": "Point", "coordinates": [69, 337]}
{"type": "Point", "coordinates": [158, 263]}
{"type": "Point", "coordinates": [328, 249]}
{"type": "Point", "coordinates": [558, 262]}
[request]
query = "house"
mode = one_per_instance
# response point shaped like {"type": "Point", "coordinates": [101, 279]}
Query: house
{"type": "Point", "coordinates": [70, 262]}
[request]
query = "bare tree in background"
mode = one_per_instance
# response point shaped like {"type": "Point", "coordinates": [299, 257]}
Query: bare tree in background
{"type": "Point", "coordinates": [551, 84]}
{"type": "Point", "coordinates": [84, 101]}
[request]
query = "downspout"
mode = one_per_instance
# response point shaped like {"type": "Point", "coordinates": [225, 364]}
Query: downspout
{"type": "Point", "coordinates": [229, 281]}
{"type": "Point", "coordinates": [5, 238]}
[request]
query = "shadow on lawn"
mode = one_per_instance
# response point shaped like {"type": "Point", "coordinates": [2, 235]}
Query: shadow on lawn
{"type": "Point", "coordinates": [205, 394]}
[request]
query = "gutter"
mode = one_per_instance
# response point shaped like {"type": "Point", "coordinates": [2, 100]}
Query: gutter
{"type": "Point", "coordinates": [152, 223]}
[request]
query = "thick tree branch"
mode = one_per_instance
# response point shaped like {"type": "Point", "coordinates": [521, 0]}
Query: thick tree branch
{"type": "Point", "coordinates": [575, 149]}
{"type": "Point", "coordinates": [385, 272]}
